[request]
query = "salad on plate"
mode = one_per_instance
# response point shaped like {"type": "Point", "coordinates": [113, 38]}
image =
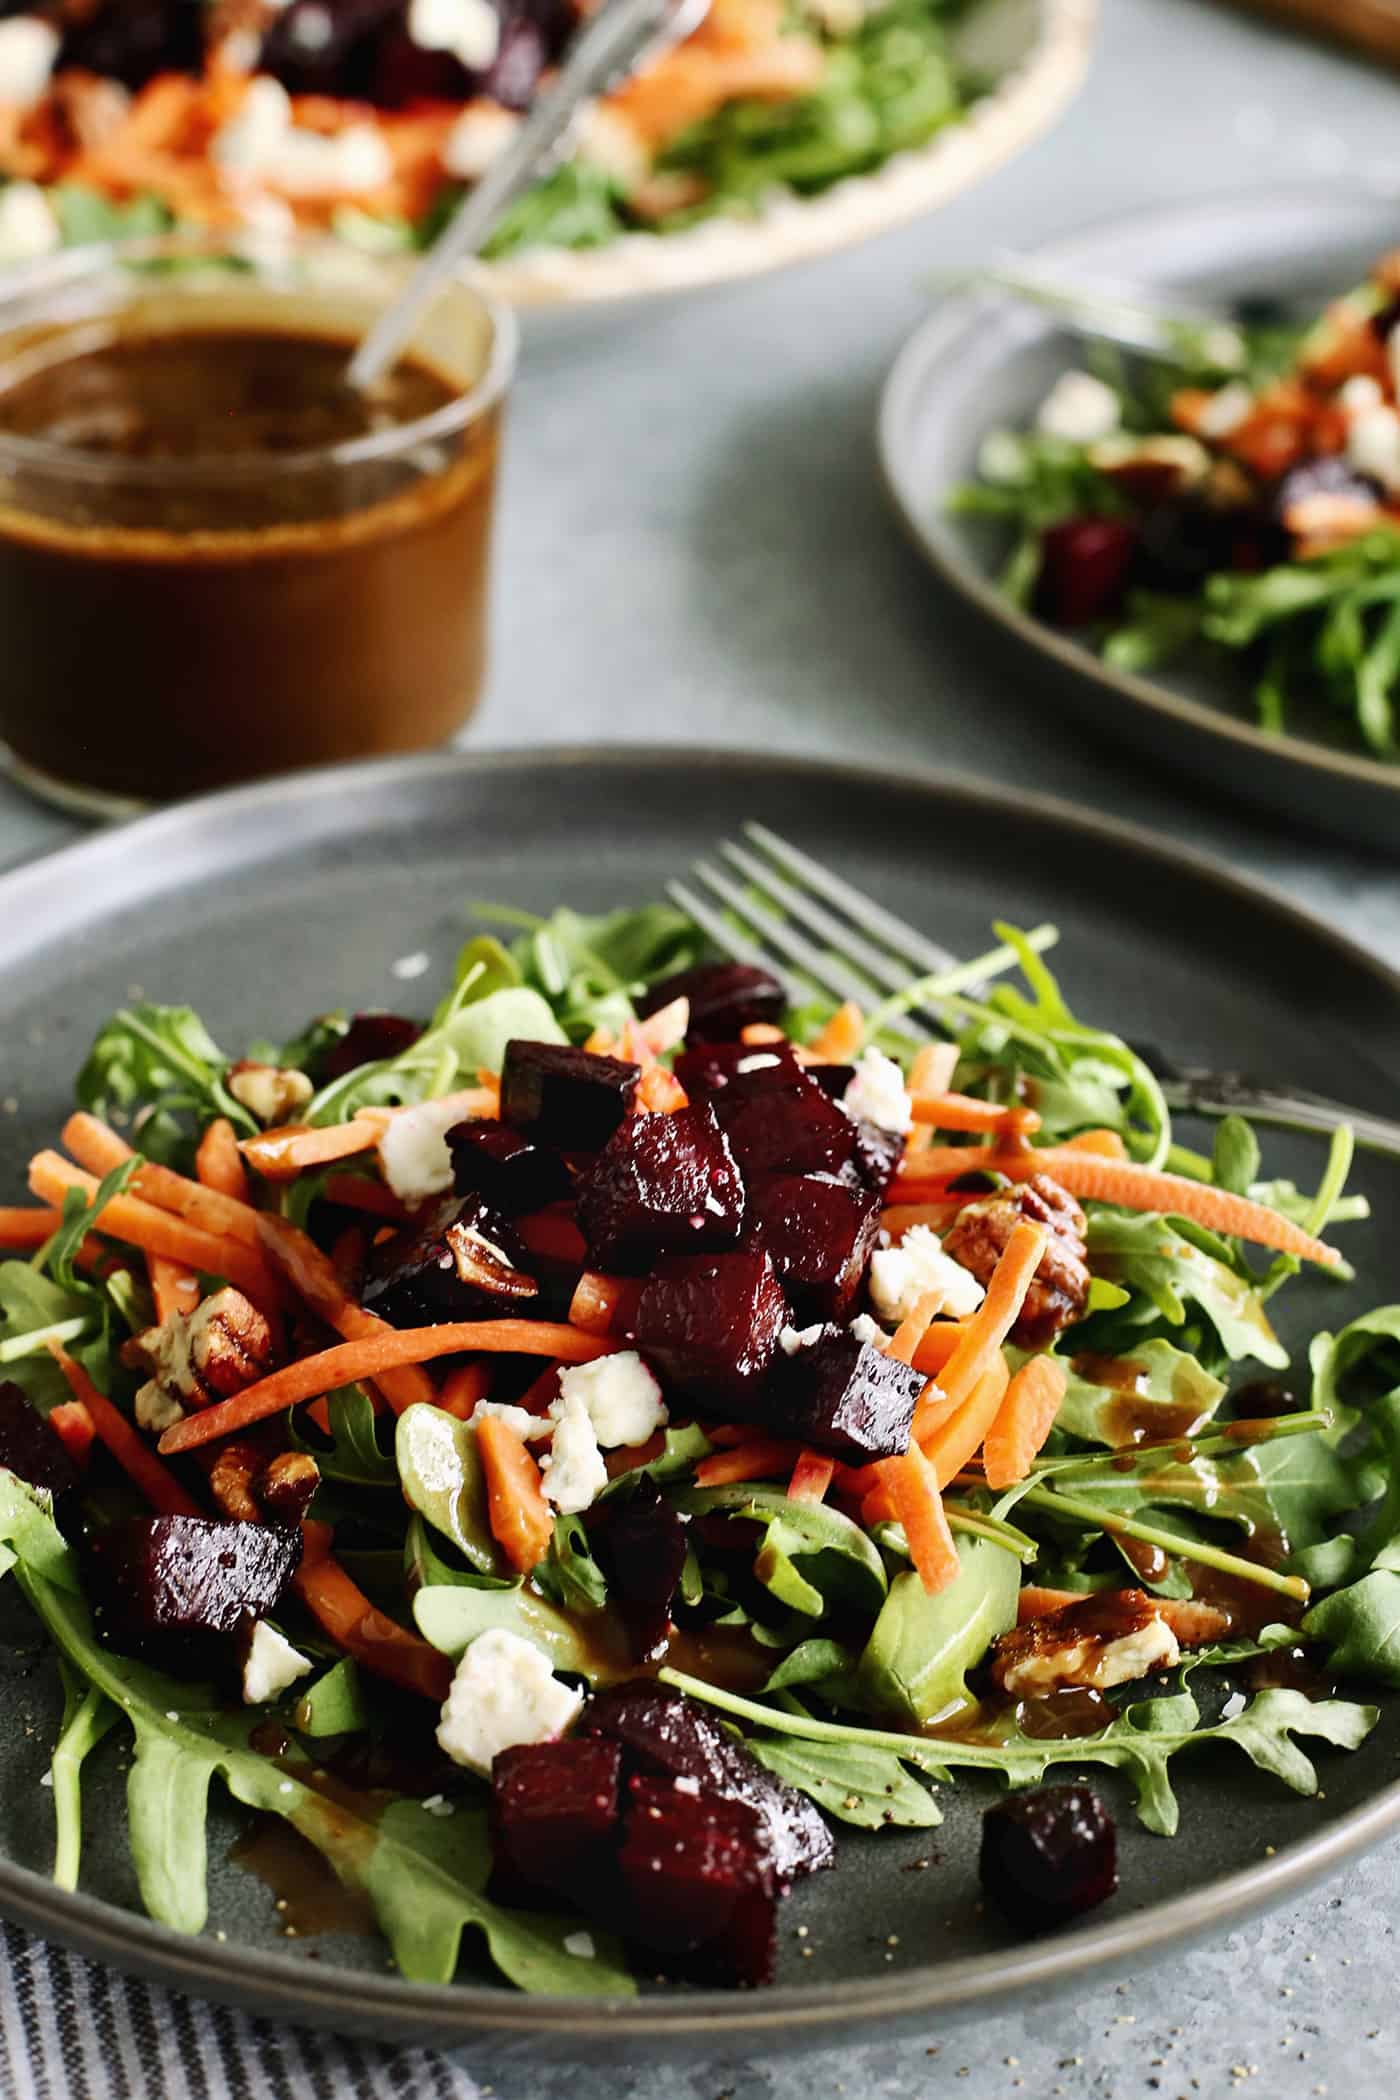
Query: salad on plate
{"type": "Point", "coordinates": [583, 1456]}
{"type": "Point", "coordinates": [1238, 502]}
{"type": "Point", "coordinates": [370, 116]}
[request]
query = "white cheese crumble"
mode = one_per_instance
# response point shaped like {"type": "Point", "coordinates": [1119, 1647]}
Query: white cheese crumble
{"type": "Point", "coordinates": [877, 1093]}
{"type": "Point", "coordinates": [606, 140]}
{"type": "Point", "coordinates": [900, 1276]}
{"type": "Point", "coordinates": [792, 1340]}
{"type": "Point", "coordinates": [572, 1471]}
{"type": "Point", "coordinates": [270, 1665]}
{"type": "Point", "coordinates": [621, 1397]}
{"type": "Point", "coordinates": [479, 134]}
{"type": "Point", "coordinates": [1079, 409]}
{"type": "Point", "coordinates": [28, 227]}
{"type": "Point", "coordinates": [407, 967]}
{"type": "Point", "coordinates": [1373, 445]}
{"type": "Point", "coordinates": [867, 1330]}
{"type": "Point", "coordinates": [503, 1693]}
{"type": "Point", "coordinates": [1358, 394]}
{"type": "Point", "coordinates": [1226, 409]}
{"type": "Point", "coordinates": [470, 30]}
{"type": "Point", "coordinates": [520, 1419]}
{"type": "Point", "coordinates": [413, 1150]}
{"type": "Point", "coordinates": [28, 48]}
{"type": "Point", "coordinates": [581, 1945]}
{"type": "Point", "coordinates": [262, 143]}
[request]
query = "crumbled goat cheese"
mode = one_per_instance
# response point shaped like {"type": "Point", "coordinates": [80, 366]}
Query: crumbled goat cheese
{"type": "Point", "coordinates": [867, 1330]}
{"type": "Point", "coordinates": [608, 141]}
{"type": "Point", "coordinates": [28, 227]}
{"type": "Point", "coordinates": [479, 134]}
{"type": "Point", "coordinates": [877, 1093]}
{"type": "Point", "coordinates": [28, 48]}
{"type": "Point", "coordinates": [1226, 409]}
{"type": "Point", "coordinates": [503, 1693]}
{"type": "Point", "coordinates": [572, 1471]}
{"type": "Point", "coordinates": [581, 1945]}
{"type": "Point", "coordinates": [270, 1665]}
{"type": "Point", "coordinates": [1097, 1664]}
{"type": "Point", "coordinates": [1358, 394]}
{"type": "Point", "coordinates": [520, 1419]}
{"type": "Point", "coordinates": [791, 1340]}
{"type": "Point", "coordinates": [413, 1150]}
{"type": "Point", "coordinates": [1079, 409]}
{"type": "Point", "coordinates": [408, 967]}
{"type": "Point", "coordinates": [262, 143]}
{"type": "Point", "coordinates": [900, 1276]}
{"type": "Point", "coordinates": [622, 1398]}
{"type": "Point", "coordinates": [470, 30]}
{"type": "Point", "coordinates": [1373, 446]}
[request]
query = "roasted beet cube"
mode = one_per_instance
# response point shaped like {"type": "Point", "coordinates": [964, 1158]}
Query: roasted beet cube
{"type": "Point", "coordinates": [832, 1079]}
{"type": "Point", "coordinates": [842, 1396]}
{"type": "Point", "coordinates": [794, 1129]}
{"type": "Point", "coordinates": [666, 1735]}
{"type": "Point", "coordinates": [460, 1262]}
{"type": "Point", "coordinates": [1084, 569]}
{"type": "Point", "coordinates": [368, 1039]}
{"type": "Point", "coordinates": [739, 1069]}
{"type": "Point", "coordinates": [504, 1169]}
{"type": "Point", "coordinates": [554, 1815]}
{"type": "Point", "coordinates": [663, 1184]}
{"type": "Point", "coordinates": [641, 1550]}
{"type": "Point", "coordinates": [177, 1587]}
{"type": "Point", "coordinates": [725, 998]}
{"type": "Point", "coordinates": [30, 1449]}
{"type": "Point", "coordinates": [877, 1153]}
{"type": "Point", "coordinates": [318, 50]}
{"type": "Point", "coordinates": [132, 40]}
{"type": "Point", "coordinates": [711, 1323]}
{"type": "Point", "coordinates": [698, 1883]}
{"type": "Point", "coordinates": [818, 1235]}
{"type": "Point", "coordinates": [565, 1097]}
{"type": "Point", "coordinates": [1048, 1856]}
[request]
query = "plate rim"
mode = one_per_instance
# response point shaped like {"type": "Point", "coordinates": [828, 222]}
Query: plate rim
{"type": "Point", "coordinates": [387, 2005]}
{"type": "Point", "coordinates": [1026, 102]}
{"type": "Point", "coordinates": [938, 335]}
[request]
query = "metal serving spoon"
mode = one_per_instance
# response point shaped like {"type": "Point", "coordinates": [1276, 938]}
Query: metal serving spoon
{"type": "Point", "coordinates": [613, 42]}
{"type": "Point", "coordinates": [1127, 315]}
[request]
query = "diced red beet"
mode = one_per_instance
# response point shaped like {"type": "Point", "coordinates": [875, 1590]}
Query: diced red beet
{"type": "Point", "coordinates": [427, 1272]}
{"type": "Point", "coordinates": [818, 1235]}
{"type": "Point", "coordinates": [641, 1550]}
{"type": "Point", "coordinates": [845, 1397]}
{"type": "Point", "coordinates": [737, 1068]}
{"type": "Point", "coordinates": [663, 1184]}
{"type": "Point", "coordinates": [369, 1038]}
{"type": "Point", "coordinates": [1047, 1857]}
{"type": "Point", "coordinates": [877, 1154]}
{"type": "Point", "coordinates": [665, 1734]}
{"type": "Point", "coordinates": [563, 1096]}
{"type": "Point", "coordinates": [725, 998]}
{"type": "Point", "coordinates": [178, 1587]}
{"type": "Point", "coordinates": [30, 1449]}
{"type": "Point", "coordinates": [711, 1323]}
{"type": "Point", "coordinates": [555, 1810]}
{"type": "Point", "coordinates": [832, 1079]}
{"type": "Point", "coordinates": [795, 1129]}
{"type": "Point", "coordinates": [1084, 569]}
{"type": "Point", "coordinates": [698, 1884]}
{"type": "Point", "coordinates": [504, 1169]}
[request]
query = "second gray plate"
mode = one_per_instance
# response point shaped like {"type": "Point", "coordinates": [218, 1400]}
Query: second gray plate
{"type": "Point", "coordinates": [266, 905]}
{"type": "Point", "coordinates": [981, 363]}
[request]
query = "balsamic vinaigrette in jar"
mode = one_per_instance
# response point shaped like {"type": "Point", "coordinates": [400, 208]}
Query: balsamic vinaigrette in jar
{"type": "Point", "coordinates": [204, 583]}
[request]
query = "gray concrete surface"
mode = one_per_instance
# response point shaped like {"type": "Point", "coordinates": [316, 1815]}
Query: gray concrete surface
{"type": "Point", "coordinates": [694, 547]}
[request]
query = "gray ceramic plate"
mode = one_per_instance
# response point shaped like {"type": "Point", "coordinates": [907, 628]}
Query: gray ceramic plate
{"type": "Point", "coordinates": [261, 906]}
{"type": "Point", "coordinates": [980, 363]}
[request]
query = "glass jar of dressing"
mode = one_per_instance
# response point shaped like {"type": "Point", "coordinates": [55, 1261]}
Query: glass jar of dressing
{"type": "Point", "coordinates": [217, 560]}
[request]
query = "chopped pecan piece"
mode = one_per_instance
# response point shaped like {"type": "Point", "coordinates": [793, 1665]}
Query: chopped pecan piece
{"type": "Point", "coordinates": [285, 1486]}
{"type": "Point", "coordinates": [480, 1262]}
{"type": "Point", "coordinates": [1108, 1638]}
{"type": "Point", "coordinates": [1061, 1284]}
{"type": "Point", "coordinates": [231, 1479]}
{"type": "Point", "coordinates": [272, 1093]}
{"type": "Point", "coordinates": [199, 1357]}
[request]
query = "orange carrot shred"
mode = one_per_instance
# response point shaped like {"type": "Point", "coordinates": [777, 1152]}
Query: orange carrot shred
{"type": "Point", "coordinates": [987, 1328]}
{"type": "Point", "coordinates": [156, 1231]}
{"type": "Point", "coordinates": [600, 1301]}
{"type": "Point", "coordinates": [100, 1149]}
{"type": "Point", "coordinates": [932, 1068]}
{"type": "Point", "coordinates": [759, 1033]}
{"type": "Point", "coordinates": [811, 1477]}
{"type": "Point", "coordinates": [660, 1093]}
{"type": "Point", "coordinates": [553, 1235]}
{"type": "Point", "coordinates": [903, 1344]}
{"type": "Point", "coordinates": [111, 1428]}
{"type": "Point", "coordinates": [23, 1229]}
{"type": "Point", "coordinates": [174, 1289]}
{"type": "Point", "coordinates": [71, 1422]}
{"type": "Point", "coordinates": [362, 1192]}
{"type": "Point", "coordinates": [313, 1276]}
{"type": "Point", "coordinates": [1023, 1421]}
{"type": "Point", "coordinates": [965, 1112]}
{"type": "Point", "coordinates": [765, 1458]}
{"type": "Point", "coordinates": [342, 1610]}
{"type": "Point", "coordinates": [842, 1036]}
{"type": "Point", "coordinates": [522, 1522]}
{"type": "Point", "coordinates": [913, 1493]}
{"type": "Point", "coordinates": [219, 1163]}
{"type": "Point", "coordinates": [953, 1441]}
{"type": "Point", "coordinates": [465, 1388]}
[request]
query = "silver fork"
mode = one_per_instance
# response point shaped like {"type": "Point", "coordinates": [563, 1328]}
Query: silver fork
{"type": "Point", "coordinates": [773, 904]}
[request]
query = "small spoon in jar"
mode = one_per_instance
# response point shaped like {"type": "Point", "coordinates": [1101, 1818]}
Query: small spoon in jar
{"type": "Point", "coordinates": [613, 42]}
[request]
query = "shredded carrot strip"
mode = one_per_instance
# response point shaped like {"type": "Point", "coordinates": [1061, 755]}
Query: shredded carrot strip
{"type": "Point", "coordinates": [157, 1231]}
{"type": "Point", "coordinates": [965, 1112]}
{"type": "Point", "coordinates": [175, 1290]}
{"type": "Point", "coordinates": [342, 1610]}
{"type": "Point", "coordinates": [765, 1458]}
{"type": "Point", "coordinates": [938, 1345]}
{"type": "Point", "coordinates": [759, 1033]}
{"type": "Point", "coordinates": [901, 1217]}
{"type": "Point", "coordinates": [219, 1163]}
{"type": "Point", "coordinates": [949, 1447]}
{"type": "Point", "coordinates": [600, 1302]}
{"type": "Point", "coordinates": [987, 1328]}
{"type": "Point", "coordinates": [313, 1277]}
{"type": "Point", "coordinates": [1105, 1142]}
{"type": "Point", "coordinates": [913, 1493]}
{"type": "Point", "coordinates": [372, 1358]}
{"type": "Point", "coordinates": [71, 1422]}
{"type": "Point", "coordinates": [932, 1069]}
{"type": "Point", "coordinates": [464, 1388]}
{"type": "Point", "coordinates": [903, 1344]}
{"type": "Point", "coordinates": [554, 1235]}
{"type": "Point", "coordinates": [811, 1477]}
{"type": "Point", "coordinates": [111, 1428]}
{"type": "Point", "coordinates": [362, 1192]}
{"type": "Point", "coordinates": [842, 1036]}
{"type": "Point", "coordinates": [522, 1522]}
{"type": "Point", "coordinates": [100, 1149]}
{"type": "Point", "coordinates": [1024, 1420]}
{"type": "Point", "coordinates": [280, 1155]}
{"type": "Point", "coordinates": [24, 1229]}
{"type": "Point", "coordinates": [659, 1092]}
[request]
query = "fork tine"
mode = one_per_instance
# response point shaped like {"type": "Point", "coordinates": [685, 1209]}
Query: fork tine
{"type": "Point", "coordinates": [922, 954]}
{"type": "Point", "coordinates": [830, 972]}
{"type": "Point", "coordinates": [885, 971]}
{"type": "Point", "coordinates": [725, 936]}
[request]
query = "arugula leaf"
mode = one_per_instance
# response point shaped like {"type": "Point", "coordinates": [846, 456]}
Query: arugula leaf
{"type": "Point", "coordinates": [590, 969]}
{"type": "Point", "coordinates": [472, 1035]}
{"type": "Point", "coordinates": [1155, 1259]}
{"type": "Point", "coordinates": [866, 1787]}
{"type": "Point", "coordinates": [451, 1615]}
{"type": "Point", "coordinates": [424, 1875]}
{"type": "Point", "coordinates": [352, 1453]}
{"type": "Point", "coordinates": [1141, 1741]}
{"type": "Point", "coordinates": [681, 1449]}
{"type": "Point", "coordinates": [1361, 1626]}
{"type": "Point", "coordinates": [920, 1649]}
{"type": "Point", "coordinates": [159, 1067]}
{"type": "Point", "coordinates": [334, 1704]}
{"type": "Point", "coordinates": [34, 1308]}
{"type": "Point", "coordinates": [88, 1714]}
{"type": "Point", "coordinates": [1235, 1157]}
{"type": "Point", "coordinates": [1165, 1380]}
{"type": "Point", "coordinates": [812, 1662]}
{"type": "Point", "coordinates": [810, 1552]}
{"type": "Point", "coordinates": [442, 1477]}
{"type": "Point", "coordinates": [570, 1574]}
